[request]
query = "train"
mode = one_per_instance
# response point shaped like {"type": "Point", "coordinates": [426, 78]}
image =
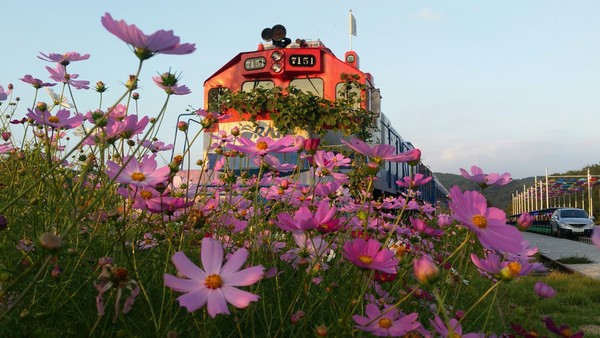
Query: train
{"type": "Point", "coordinates": [309, 67]}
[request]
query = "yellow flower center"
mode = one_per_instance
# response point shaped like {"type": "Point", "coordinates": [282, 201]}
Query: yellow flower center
{"type": "Point", "coordinates": [213, 281]}
{"type": "Point", "coordinates": [138, 176]}
{"type": "Point", "coordinates": [53, 119]}
{"type": "Point", "coordinates": [365, 259]}
{"type": "Point", "coordinates": [480, 221]}
{"type": "Point", "coordinates": [261, 145]}
{"type": "Point", "coordinates": [566, 332]}
{"type": "Point", "coordinates": [385, 323]}
{"type": "Point", "coordinates": [514, 267]}
{"type": "Point", "coordinates": [145, 194]}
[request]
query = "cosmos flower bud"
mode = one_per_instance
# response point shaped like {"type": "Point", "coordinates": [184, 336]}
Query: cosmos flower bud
{"type": "Point", "coordinates": [135, 96]}
{"type": "Point", "coordinates": [100, 87]}
{"type": "Point", "coordinates": [235, 131]}
{"type": "Point", "coordinates": [321, 331]}
{"type": "Point", "coordinates": [3, 222]}
{"type": "Point", "coordinates": [544, 290]}
{"type": "Point", "coordinates": [311, 145]}
{"type": "Point", "coordinates": [50, 241]}
{"type": "Point", "coordinates": [42, 106]}
{"type": "Point", "coordinates": [524, 221]}
{"type": "Point", "coordinates": [425, 270]}
{"type": "Point", "coordinates": [444, 220]}
{"type": "Point", "coordinates": [182, 126]}
{"type": "Point", "coordinates": [168, 79]}
{"type": "Point", "coordinates": [6, 135]}
{"type": "Point", "coordinates": [132, 83]}
{"type": "Point", "coordinates": [417, 157]}
{"type": "Point", "coordinates": [10, 86]}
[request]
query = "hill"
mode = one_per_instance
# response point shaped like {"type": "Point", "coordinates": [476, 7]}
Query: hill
{"type": "Point", "coordinates": [501, 197]}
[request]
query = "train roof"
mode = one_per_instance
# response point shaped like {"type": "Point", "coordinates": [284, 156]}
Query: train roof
{"type": "Point", "coordinates": [300, 43]}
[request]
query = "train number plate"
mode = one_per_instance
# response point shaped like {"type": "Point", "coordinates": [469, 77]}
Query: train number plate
{"type": "Point", "coordinates": [302, 60]}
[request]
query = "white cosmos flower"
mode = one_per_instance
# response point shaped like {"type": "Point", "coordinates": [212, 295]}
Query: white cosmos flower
{"type": "Point", "coordinates": [58, 100]}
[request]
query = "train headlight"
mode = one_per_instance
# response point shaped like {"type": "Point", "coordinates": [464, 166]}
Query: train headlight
{"type": "Point", "coordinates": [277, 67]}
{"type": "Point", "coordinates": [276, 56]}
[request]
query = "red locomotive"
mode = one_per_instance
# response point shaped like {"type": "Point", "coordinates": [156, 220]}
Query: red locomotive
{"type": "Point", "coordinates": [309, 67]}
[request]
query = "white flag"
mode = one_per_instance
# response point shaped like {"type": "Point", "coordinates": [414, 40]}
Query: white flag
{"type": "Point", "coordinates": [352, 24]}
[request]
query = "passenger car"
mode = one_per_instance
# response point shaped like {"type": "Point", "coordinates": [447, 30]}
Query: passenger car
{"type": "Point", "coordinates": [571, 221]}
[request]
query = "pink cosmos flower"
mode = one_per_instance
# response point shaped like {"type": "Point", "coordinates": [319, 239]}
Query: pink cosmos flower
{"type": "Point", "coordinates": [387, 323]}
{"type": "Point", "coordinates": [323, 219]}
{"type": "Point", "coordinates": [62, 119]}
{"type": "Point", "coordinates": [146, 46]}
{"type": "Point", "coordinates": [128, 127]}
{"type": "Point", "coordinates": [214, 286]}
{"type": "Point", "coordinates": [264, 145]}
{"type": "Point", "coordinates": [524, 221]}
{"type": "Point", "coordinates": [140, 174]}
{"type": "Point", "coordinates": [382, 152]}
{"type": "Point", "coordinates": [478, 176]}
{"type": "Point", "coordinates": [544, 290]}
{"type": "Point", "coordinates": [497, 267]}
{"type": "Point", "coordinates": [454, 329]}
{"type": "Point", "coordinates": [489, 224]}
{"type": "Point", "coordinates": [413, 182]}
{"type": "Point", "coordinates": [310, 252]}
{"type": "Point", "coordinates": [561, 331]}
{"type": "Point", "coordinates": [422, 227]}
{"type": "Point", "coordinates": [156, 146]}
{"type": "Point", "coordinates": [36, 83]}
{"type": "Point", "coordinates": [64, 59]}
{"type": "Point", "coordinates": [4, 94]}
{"type": "Point", "coordinates": [368, 254]}
{"type": "Point", "coordinates": [5, 148]}
{"type": "Point", "coordinates": [444, 220]}
{"type": "Point", "coordinates": [171, 88]}
{"type": "Point", "coordinates": [273, 163]}
{"type": "Point", "coordinates": [425, 270]}
{"type": "Point", "coordinates": [59, 74]}
{"type": "Point", "coordinates": [209, 118]}
{"type": "Point", "coordinates": [167, 205]}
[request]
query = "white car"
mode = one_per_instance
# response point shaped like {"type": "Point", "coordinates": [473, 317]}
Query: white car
{"type": "Point", "coordinates": [571, 222]}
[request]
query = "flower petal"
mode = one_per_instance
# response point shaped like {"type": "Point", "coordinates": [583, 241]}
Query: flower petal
{"type": "Point", "coordinates": [181, 285]}
{"type": "Point", "coordinates": [234, 263]}
{"type": "Point", "coordinates": [245, 277]}
{"type": "Point", "coordinates": [192, 301]}
{"type": "Point", "coordinates": [239, 298]}
{"type": "Point", "coordinates": [187, 268]}
{"type": "Point", "coordinates": [216, 303]}
{"type": "Point", "coordinates": [212, 255]}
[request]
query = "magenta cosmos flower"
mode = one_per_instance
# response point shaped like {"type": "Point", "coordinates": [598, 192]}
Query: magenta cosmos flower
{"type": "Point", "coordinates": [140, 174]}
{"type": "Point", "coordinates": [489, 224]}
{"type": "Point", "coordinates": [382, 152]}
{"type": "Point", "coordinates": [146, 46]}
{"type": "Point", "coordinates": [64, 59]}
{"type": "Point", "coordinates": [265, 145]}
{"type": "Point", "coordinates": [62, 119]}
{"type": "Point", "coordinates": [478, 176]}
{"type": "Point", "coordinates": [544, 290]}
{"type": "Point", "coordinates": [214, 286]}
{"type": "Point", "coordinates": [304, 220]}
{"type": "Point", "coordinates": [36, 83]}
{"type": "Point", "coordinates": [59, 74]}
{"type": "Point", "coordinates": [387, 323]}
{"type": "Point", "coordinates": [453, 328]}
{"type": "Point", "coordinates": [367, 254]}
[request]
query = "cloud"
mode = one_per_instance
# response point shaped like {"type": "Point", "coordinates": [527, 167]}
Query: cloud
{"type": "Point", "coordinates": [429, 15]}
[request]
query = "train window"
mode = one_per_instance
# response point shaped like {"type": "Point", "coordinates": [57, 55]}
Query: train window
{"type": "Point", "coordinates": [343, 93]}
{"type": "Point", "coordinates": [309, 85]}
{"type": "Point", "coordinates": [213, 97]}
{"type": "Point", "coordinates": [248, 86]}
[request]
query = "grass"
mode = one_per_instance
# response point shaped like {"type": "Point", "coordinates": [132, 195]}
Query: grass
{"type": "Point", "coordinates": [576, 303]}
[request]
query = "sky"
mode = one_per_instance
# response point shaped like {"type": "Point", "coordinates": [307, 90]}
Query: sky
{"type": "Point", "coordinates": [509, 86]}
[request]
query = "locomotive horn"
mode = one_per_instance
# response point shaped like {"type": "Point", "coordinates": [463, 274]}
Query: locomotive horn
{"type": "Point", "coordinates": [266, 34]}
